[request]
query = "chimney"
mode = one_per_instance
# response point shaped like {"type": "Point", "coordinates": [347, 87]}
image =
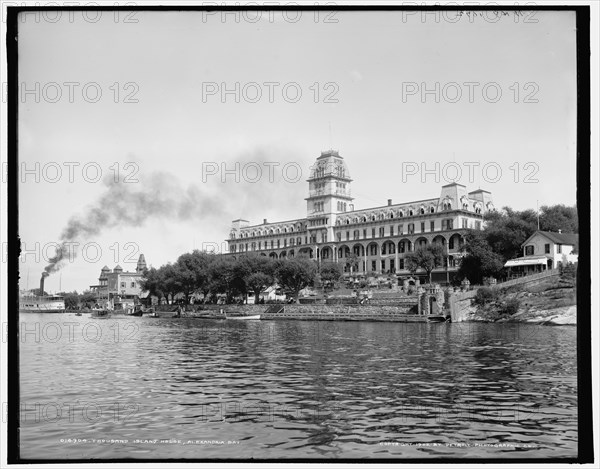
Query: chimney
{"type": "Point", "coordinates": [389, 202]}
{"type": "Point", "coordinates": [264, 221]}
{"type": "Point", "coordinates": [44, 275]}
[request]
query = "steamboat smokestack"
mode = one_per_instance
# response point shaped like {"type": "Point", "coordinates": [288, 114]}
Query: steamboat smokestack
{"type": "Point", "coordinates": [44, 275]}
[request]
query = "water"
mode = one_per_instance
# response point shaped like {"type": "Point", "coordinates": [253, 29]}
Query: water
{"type": "Point", "coordinates": [184, 388]}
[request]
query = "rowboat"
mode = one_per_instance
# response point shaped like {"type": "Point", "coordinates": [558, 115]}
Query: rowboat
{"type": "Point", "coordinates": [136, 311]}
{"type": "Point", "coordinates": [436, 318]}
{"type": "Point", "coordinates": [101, 314]}
{"type": "Point", "coordinates": [242, 316]}
{"type": "Point", "coordinates": [209, 316]}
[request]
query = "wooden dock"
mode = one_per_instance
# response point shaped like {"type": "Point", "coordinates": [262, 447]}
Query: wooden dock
{"type": "Point", "coordinates": [353, 316]}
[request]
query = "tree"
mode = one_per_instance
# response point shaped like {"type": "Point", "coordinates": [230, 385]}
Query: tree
{"type": "Point", "coordinates": [191, 272]}
{"type": "Point", "coordinates": [559, 217]}
{"type": "Point", "coordinates": [71, 299]}
{"type": "Point", "coordinates": [257, 282]}
{"type": "Point", "coordinates": [479, 259]}
{"type": "Point", "coordinates": [226, 277]}
{"type": "Point", "coordinates": [295, 274]}
{"type": "Point", "coordinates": [257, 273]}
{"type": "Point", "coordinates": [152, 282]}
{"type": "Point", "coordinates": [331, 273]}
{"type": "Point", "coordinates": [506, 230]}
{"type": "Point", "coordinates": [425, 257]}
{"type": "Point", "coordinates": [352, 262]}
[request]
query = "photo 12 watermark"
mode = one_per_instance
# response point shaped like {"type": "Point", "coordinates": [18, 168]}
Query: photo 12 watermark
{"type": "Point", "coordinates": [71, 92]}
{"type": "Point", "coordinates": [470, 172]}
{"type": "Point", "coordinates": [270, 92]}
{"type": "Point", "coordinates": [53, 172]}
{"type": "Point", "coordinates": [470, 91]}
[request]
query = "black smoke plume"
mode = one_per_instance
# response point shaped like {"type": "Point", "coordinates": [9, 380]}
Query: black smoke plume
{"type": "Point", "coordinates": [132, 204]}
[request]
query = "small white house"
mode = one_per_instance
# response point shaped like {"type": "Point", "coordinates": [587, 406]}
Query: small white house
{"type": "Point", "coordinates": [544, 250]}
{"type": "Point", "coordinates": [272, 293]}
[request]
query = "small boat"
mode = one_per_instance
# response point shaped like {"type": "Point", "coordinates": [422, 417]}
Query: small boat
{"type": "Point", "coordinates": [136, 311]}
{"type": "Point", "coordinates": [153, 314]}
{"type": "Point", "coordinates": [242, 316]}
{"type": "Point", "coordinates": [101, 314]}
{"type": "Point", "coordinates": [209, 316]}
{"type": "Point", "coordinates": [436, 318]}
{"type": "Point", "coordinates": [78, 314]}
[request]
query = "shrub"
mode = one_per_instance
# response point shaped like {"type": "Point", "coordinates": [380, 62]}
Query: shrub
{"type": "Point", "coordinates": [510, 307]}
{"type": "Point", "coordinates": [485, 295]}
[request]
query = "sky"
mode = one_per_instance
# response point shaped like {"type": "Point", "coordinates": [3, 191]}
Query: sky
{"type": "Point", "coordinates": [150, 111]}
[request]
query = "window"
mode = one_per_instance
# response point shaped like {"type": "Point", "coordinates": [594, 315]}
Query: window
{"type": "Point", "coordinates": [411, 228]}
{"type": "Point", "coordinates": [477, 225]}
{"type": "Point", "coordinates": [422, 227]}
{"type": "Point", "coordinates": [347, 235]}
{"type": "Point", "coordinates": [392, 230]}
{"type": "Point", "coordinates": [529, 250]}
{"type": "Point", "coordinates": [381, 232]}
{"type": "Point", "coordinates": [451, 243]}
{"type": "Point", "coordinates": [365, 233]}
{"type": "Point", "coordinates": [132, 284]}
{"type": "Point", "coordinates": [559, 248]}
{"type": "Point", "coordinates": [373, 266]}
{"type": "Point", "coordinates": [402, 247]}
{"type": "Point", "coordinates": [372, 232]}
{"type": "Point", "coordinates": [432, 226]}
{"type": "Point", "coordinates": [123, 284]}
{"type": "Point", "coordinates": [547, 248]}
{"type": "Point", "coordinates": [465, 223]}
{"type": "Point", "coordinates": [383, 265]}
{"type": "Point", "coordinates": [401, 264]}
{"type": "Point", "coordinates": [400, 229]}
{"type": "Point", "coordinates": [339, 236]}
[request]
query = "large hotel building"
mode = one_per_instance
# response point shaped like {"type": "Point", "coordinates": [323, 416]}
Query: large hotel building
{"type": "Point", "coordinates": [379, 237]}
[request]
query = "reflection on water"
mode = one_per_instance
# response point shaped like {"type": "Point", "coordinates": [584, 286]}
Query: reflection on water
{"type": "Point", "coordinates": [182, 388]}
